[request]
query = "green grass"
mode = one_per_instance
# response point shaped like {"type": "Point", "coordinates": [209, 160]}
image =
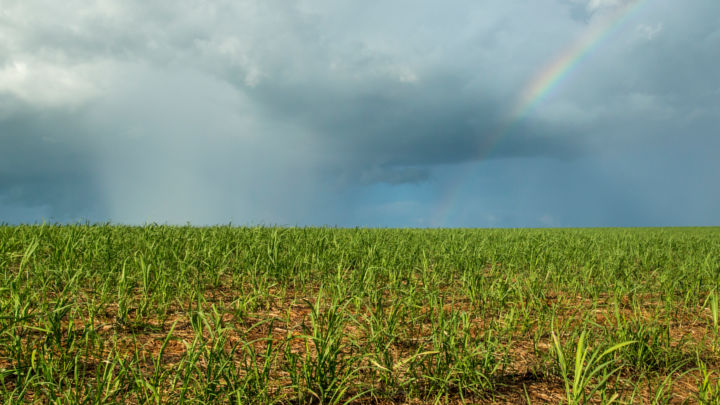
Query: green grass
{"type": "Point", "coordinates": [163, 314]}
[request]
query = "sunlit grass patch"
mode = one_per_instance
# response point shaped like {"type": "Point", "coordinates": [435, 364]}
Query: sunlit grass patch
{"type": "Point", "coordinates": [161, 314]}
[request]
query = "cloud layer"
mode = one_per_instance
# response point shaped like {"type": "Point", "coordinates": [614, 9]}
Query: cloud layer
{"type": "Point", "coordinates": [373, 113]}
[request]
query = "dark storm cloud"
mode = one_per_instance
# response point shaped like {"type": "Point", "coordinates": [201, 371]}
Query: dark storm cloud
{"type": "Point", "coordinates": [396, 124]}
{"type": "Point", "coordinates": [45, 162]}
{"type": "Point", "coordinates": [261, 110]}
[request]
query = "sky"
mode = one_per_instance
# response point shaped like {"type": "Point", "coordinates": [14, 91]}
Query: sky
{"type": "Point", "coordinates": [402, 113]}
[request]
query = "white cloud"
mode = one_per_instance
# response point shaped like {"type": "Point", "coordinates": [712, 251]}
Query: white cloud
{"type": "Point", "coordinates": [649, 32]}
{"type": "Point", "coordinates": [43, 84]}
{"type": "Point", "coordinates": [595, 5]}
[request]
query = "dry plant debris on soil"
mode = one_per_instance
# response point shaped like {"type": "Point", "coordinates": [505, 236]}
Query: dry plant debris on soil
{"type": "Point", "coordinates": [163, 314]}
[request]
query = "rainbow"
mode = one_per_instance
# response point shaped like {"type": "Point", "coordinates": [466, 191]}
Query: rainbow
{"type": "Point", "coordinates": [542, 84]}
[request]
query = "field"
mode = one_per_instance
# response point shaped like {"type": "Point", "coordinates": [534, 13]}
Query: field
{"type": "Point", "coordinates": [161, 314]}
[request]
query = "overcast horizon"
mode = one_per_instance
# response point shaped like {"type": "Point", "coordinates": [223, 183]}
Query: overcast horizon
{"type": "Point", "coordinates": [550, 113]}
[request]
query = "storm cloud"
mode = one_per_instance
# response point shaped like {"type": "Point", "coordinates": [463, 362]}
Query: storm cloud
{"type": "Point", "coordinates": [358, 113]}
